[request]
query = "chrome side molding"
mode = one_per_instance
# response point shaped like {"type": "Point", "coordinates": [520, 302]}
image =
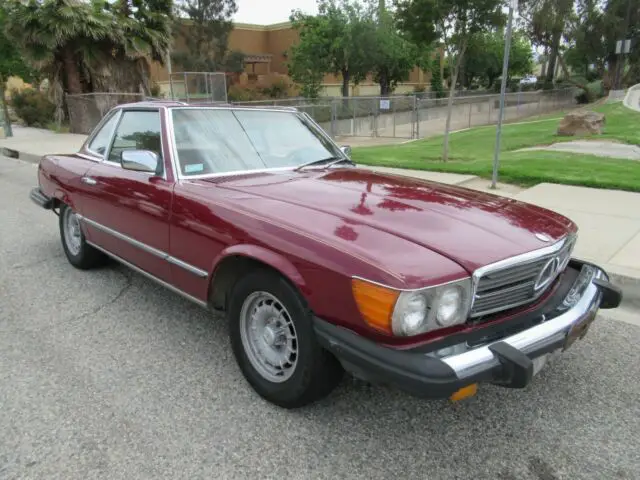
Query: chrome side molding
{"type": "Point", "coordinates": [150, 277]}
{"type": "Point", "coordinates": [143, 246]}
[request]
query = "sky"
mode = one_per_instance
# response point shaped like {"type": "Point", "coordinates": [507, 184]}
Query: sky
{"type": "Point", "coordinates": [267, 12]}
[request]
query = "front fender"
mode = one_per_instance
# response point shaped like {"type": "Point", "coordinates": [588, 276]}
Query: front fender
{"type": "Point", "coordinates": [266, 256]}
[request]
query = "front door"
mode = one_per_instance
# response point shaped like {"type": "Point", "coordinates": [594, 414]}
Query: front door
{"type": "Point", "coordinates": [126, 211]}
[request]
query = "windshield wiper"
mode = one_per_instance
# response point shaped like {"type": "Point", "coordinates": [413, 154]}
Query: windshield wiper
{"type": "Point", "coordinates": [331, 160]}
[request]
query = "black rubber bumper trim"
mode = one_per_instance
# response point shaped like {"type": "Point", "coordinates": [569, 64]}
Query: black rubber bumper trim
{"type": "Point", "coordinates": [41, 199]}
{"type": "Point", "coordinates": [517, 366]}
{"type": "Point", "coordinates": [413, 372]}
{"type": "Point", "coordinates": [611, 295]}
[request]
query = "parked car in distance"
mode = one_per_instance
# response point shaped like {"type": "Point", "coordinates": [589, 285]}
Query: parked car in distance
{"type": "Point", "coordinates": [322, 266]}
{"type": "Point", "coordinates": [529, 80]}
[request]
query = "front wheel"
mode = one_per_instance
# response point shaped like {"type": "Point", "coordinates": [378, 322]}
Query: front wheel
{"type": "Point", "coordinates": [274, 342]}
{"type": "Point", "coordinates": [79, 253]}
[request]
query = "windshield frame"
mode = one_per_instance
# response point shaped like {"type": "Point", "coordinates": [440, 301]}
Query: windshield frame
{"type": "Point", "coordinates": [306, 117]}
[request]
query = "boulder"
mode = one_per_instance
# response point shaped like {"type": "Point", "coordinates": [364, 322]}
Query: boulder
{"type": "Point", "coordinates": [581, 123]}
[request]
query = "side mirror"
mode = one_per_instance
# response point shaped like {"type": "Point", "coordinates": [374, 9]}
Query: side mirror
{"type": "Point", "coordinates": [346, 149]}
{"type": "Point", "coordinates": [139, 160]}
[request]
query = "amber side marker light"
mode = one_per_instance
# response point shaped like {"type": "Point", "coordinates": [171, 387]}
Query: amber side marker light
{"type": "Point", "coordinates": [375, 303]}
{"type": "Point", "coordinates": [464, 392]}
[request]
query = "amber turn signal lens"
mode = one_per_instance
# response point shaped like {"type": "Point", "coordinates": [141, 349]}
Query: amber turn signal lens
{"type": "Point", "coordinates": [375, 303]}
{"type": "Point", "coordinates": [464, 392]}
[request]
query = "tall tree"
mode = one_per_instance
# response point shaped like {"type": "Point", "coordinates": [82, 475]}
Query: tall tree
{"type": "Point", "coordinates": [340, 39]}
{"type": "Point", "coordinates": [12, 63]}
{"type": "Point", "coordinates": [546, 22]}
{"type": "Point", "coordinates": [307, 66]}
{"type": "Point", "coordinates": [205, 34]}
{"type": "Point", "coordinates": [622, 20]}
{"type": "Point", "coordinates": [454, 23]}
{"type": "Point", "coordinates": [393, 56]}
{"type": "Point", "coordinates": [485, 54]}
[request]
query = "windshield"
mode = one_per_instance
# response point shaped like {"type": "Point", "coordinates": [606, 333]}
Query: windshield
{"type": "Point", "coordinates": [210, 141]}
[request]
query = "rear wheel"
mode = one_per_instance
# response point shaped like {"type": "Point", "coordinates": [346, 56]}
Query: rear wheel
{"type": "Point", "coordinates": [79, 253]}
{"type": "Point", "coordinates": [274, 342]}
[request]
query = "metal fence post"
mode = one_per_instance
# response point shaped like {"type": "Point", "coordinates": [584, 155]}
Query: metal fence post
{"type": "Point", "coordinates": [540, 103]}
{"type": "Point", "coordinates": [374, 130]}
{"type": "Point", "coordinates": [470, 110]}
{"type": "Point", "coordinates": [394, 118]}
{"type": "Point", "coordinates": [186, 89]}
{"type": "Point", "coordinates": [353, 123]}
{"type": "Point", "coordinates": [417, 117]}
{"type": "Point", "coordinates": [333, 118]}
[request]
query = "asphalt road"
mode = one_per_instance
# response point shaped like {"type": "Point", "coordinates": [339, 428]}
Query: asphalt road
{"type": "Point", "coordinates": [105, 375]}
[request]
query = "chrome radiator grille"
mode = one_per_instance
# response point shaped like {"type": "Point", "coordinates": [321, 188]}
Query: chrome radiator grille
{"type": "Point", "coordinates": [519, 280]}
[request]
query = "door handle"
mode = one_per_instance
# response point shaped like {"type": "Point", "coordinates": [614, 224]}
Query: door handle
{"type": "Point", "coordinates": [89, 180]}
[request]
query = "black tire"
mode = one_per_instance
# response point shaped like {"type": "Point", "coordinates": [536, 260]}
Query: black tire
{"type": "Point", "coordinates": [86, 257]}
{"type": "Point", "coordinates": [316, 372]}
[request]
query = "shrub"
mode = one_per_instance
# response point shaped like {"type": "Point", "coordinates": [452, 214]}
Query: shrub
{"type": "Point", "coordinates": [248, 93]}
{"type": "Point", "coordinates": [33, 107]}
{"type": "Point", "coordinates": [155, 91]}
{"type": "Point", "coordinates": [595, 90]}
{"type": "Point", "coordinates": [275, 86]}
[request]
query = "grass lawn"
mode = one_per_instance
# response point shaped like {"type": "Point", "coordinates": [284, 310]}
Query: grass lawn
{"type": "Point", "coordinates": [471, 152]}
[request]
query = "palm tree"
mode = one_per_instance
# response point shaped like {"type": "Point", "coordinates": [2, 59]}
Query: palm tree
{"type": "Point", "coordinates": [92, 46]}
{"type": "Point", "coordinates": [65, 38]}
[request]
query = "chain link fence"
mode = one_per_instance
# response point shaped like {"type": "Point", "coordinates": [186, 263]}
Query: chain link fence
{"type": "Point", "coordinates": [402, 116]}
{"type": "Point", "coordinates": [419, 116]}
{"type": "Point", "coordinates": [87, 109]}
{"type": "Point", "coordinates": [198, 87]}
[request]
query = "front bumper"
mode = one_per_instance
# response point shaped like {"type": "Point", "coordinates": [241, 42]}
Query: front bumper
{"type": "Point", "coordinates": [40, 199]}
{"type": "Point", "coordinates": [508, 361]}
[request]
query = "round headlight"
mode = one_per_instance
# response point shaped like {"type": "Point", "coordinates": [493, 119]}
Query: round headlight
{"type": "Point", "coordinates": [449, 306]}
{"type": "Point", "coordinates": [411, 314]}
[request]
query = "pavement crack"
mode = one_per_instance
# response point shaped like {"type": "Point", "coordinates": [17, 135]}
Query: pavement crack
{"type": "Point", "coordinates": [35, 263]}
{"type": "Point", "coordinates": [541, 469]}
{"type": "Point", "coordinates": [128, 283]}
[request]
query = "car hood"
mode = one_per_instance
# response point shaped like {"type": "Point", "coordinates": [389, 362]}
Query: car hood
{"type": "Point", "coordinates": [469, 227]}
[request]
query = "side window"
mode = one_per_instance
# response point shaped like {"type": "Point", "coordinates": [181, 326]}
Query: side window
{"type": "Point", "coordinates": [137, 130]}
{"type": "Point", "coordinates": [100, 141]}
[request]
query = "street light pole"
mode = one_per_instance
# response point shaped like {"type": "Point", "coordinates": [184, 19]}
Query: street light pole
{"type": "Point", "coordinates": [503, 88]}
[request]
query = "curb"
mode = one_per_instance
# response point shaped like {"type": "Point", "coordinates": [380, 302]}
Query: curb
{"type": "Point", "coordinates": [630, 287]}
{"type": "Point", "coordinates": [25, 157]}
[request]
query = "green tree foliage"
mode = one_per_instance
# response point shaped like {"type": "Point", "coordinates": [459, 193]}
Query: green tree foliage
{"type": "Point", "coordinates": [621, 19]}
{"type": "Point", "coordinates": [393, 56]}
{"type": "Point", "coordinates": [338, 40]}
{"type": "Point", "coordinates": [486, 52]}
{"type": "Point", "coordinates": [305, 69]}
{"type": "Point", "coordinates": [546, 22]}
{"type": "Point", "coordinates": [206, 36]}
{"type": "Point", "coordinates": [436, 78]}
{"type": "Point", "coordinates": [454, 23]}
{"type": "Point", "coordinates": [12, 63]}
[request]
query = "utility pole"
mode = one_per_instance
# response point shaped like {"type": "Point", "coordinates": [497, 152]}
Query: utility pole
{"type": "Point", "coordinates": [503, 88]}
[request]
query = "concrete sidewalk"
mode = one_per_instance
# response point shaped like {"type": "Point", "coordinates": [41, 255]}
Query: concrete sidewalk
{"type": "Point", "coordinates": [609, 220]}
{"type": "Point", "coordinates": [30, 144]}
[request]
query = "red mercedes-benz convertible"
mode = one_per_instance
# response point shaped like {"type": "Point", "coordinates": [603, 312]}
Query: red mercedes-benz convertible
{"type": "Point", "coordinates": [322, 266]}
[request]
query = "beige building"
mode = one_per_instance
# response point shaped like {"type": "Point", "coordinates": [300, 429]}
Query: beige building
{"type": "Point", "coordinates": [265, 48]}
